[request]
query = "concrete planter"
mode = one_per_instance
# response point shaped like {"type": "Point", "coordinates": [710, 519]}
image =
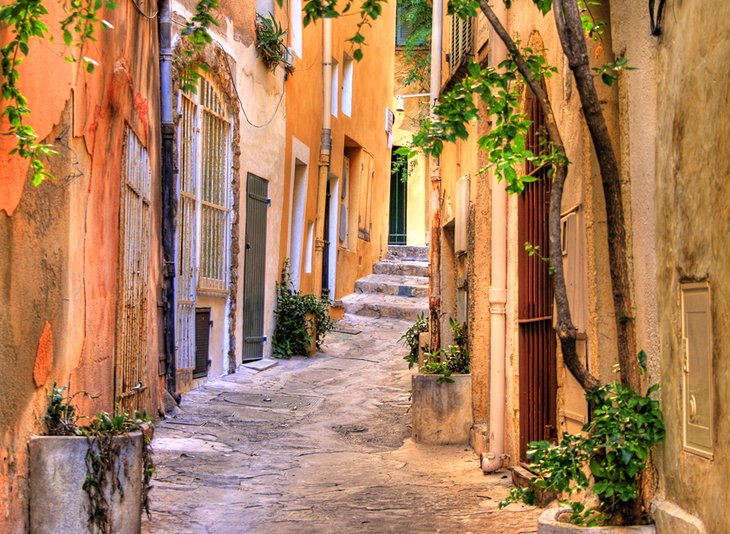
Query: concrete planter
{"type": "Point", "coordinates": [548, 524]}
{"type": "Point", "coordinates": [442, 412]}
{"type": "Point", "coordinates": [58, 502]}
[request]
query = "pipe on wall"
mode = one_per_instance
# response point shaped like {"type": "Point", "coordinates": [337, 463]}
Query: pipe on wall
{"type": "Point", "coordinates": [434, 255]}
{"type": "Point", "coordinates": [325, 150]}
{"type": "Point", "coordinates": [494, 458]}
{"type": "Point", "coordinates": [169, 200]}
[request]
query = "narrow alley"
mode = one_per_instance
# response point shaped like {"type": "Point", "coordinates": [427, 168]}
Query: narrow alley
{"type": "Point", "coordinates": [320, 445]}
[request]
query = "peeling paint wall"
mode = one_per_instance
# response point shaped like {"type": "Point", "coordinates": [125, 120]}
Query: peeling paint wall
{"type": "Point", "coordinates": [693, 221]}
{"type": "Point", "coordinates": [59, 242]}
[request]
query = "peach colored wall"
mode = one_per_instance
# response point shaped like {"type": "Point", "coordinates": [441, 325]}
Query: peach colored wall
{"type": "Point", "coordinates": [371, 95]}
{"type": "Point", "coordinates": [59, 241]}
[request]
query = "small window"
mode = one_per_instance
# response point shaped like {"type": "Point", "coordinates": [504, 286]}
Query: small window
{"type": "Point", "coordinates": [404, 24]}
{"type": "Point", "coordinates": [296, 28]}
{"type": "Point", "coordinates": [335, 87]}
{"type": "Point", "coordinates": [348, 68]}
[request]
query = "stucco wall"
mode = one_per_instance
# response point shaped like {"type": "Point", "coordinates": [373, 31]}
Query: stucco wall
{"type": "Point", "coordinates": [693, 222]}
{"type": "Point", "coordinates": [371, 94]}
{"type": "Point", "coordinates": [59, 242]}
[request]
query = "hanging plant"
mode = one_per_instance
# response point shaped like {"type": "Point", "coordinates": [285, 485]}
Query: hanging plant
{"type": "Point", "coordinates": [270, 44]}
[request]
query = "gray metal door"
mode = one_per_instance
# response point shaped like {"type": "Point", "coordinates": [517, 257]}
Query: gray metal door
{"type": "Point", "coordinates": [254, 275]}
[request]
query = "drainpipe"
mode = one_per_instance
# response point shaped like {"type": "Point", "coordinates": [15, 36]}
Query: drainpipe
{"type": "Point", "coordinates": [168, 195]}
{"type": "Point", "coordinates": [434, 252]}
{"type": "Point", "coordinates": [493, 460]}
{"type": "Point", "coordinates": [325, 149]}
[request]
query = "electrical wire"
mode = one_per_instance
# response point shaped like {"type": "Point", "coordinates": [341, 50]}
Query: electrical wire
{"type": "Point", "coordinates": [238, 96]}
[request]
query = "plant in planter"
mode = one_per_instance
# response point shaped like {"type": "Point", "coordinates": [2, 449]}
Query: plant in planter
{"type": "Point", "coordinates": [410, 339]}
{"type": "Point", "coordinates": [302, 321]}
{"type": "Point", "coordinates": [453, 360]}
{"type": "Point", "coordinates": [607, 459]}
{"type": "Point", "coordinates": [92, 477]}
{"type": "Point", "coordinates": [270, 44]}
{"type": "Point", "coordinates": [441, 393]}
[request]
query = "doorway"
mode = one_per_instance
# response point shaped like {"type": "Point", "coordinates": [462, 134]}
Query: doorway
{"type": "Point", "coordinates": [538, 373]}
{"type": "Point", "coordinates": [398, 198]}
{"type": "Point", "coordinates": [254, 273]}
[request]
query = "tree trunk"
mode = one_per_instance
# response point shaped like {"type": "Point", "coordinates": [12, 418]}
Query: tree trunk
{"type": "Point", "coordinates": [572, 38]}
{"type": "Point", "coordinates": [565, 329]}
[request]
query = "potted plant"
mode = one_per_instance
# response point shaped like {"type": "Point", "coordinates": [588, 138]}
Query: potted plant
{"type": "Point", "coordinates": [598, 472]}
{"type": "Point", "coordinates": [441, 396]}
{"type": "Point", "coordinates": [89, 478]}
{"type": "Point", "coordinates": [270, 44]}
{"type": "Point", "coordinates": [302, 321]}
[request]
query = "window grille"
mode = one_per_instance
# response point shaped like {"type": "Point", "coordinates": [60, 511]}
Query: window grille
{"type": "Point", "coordinates": [134, 246]}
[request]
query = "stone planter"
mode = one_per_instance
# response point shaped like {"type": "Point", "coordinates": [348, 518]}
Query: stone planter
{"type": "Point", "coordinates": [58, 502]}
{"type": "Point", "coordinates": [441, 412]}
{"type": "Point", "coordinates": [548, 524]}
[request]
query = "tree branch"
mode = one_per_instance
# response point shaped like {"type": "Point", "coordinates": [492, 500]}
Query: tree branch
{"type": "Point", "coordinates": [565, 329]}
{"type": "Point", "coordinates": [572, 38]}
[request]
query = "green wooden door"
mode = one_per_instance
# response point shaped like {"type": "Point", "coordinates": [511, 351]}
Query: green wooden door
{"type": "Point", "coordinates": [254, 279]}
{"type": "Point", "coordinates": [398, 198]}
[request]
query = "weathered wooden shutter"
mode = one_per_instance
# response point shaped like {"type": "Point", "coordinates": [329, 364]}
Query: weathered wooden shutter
{"type": "Point", "coordinates": [254, 279]}
{"type": "Point", "coordinates": [202, 342]}
{"type": "Point", "coordinates": [186, 234]}
{"type": "Point", "coordinates": [132, 285]}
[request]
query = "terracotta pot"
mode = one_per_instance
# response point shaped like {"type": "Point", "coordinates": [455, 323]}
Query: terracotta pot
{"type": "Point", "coordinates": [58, 502]}
{"type": "Point", "coordinates": [548, 524]}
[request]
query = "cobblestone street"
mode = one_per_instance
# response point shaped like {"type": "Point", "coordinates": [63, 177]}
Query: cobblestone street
{"type": "Point", "coordinates": [320, 445]}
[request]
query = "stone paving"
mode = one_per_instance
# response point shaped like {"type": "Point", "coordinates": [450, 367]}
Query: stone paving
{"type": "Point", "coordinates": [320, 445]}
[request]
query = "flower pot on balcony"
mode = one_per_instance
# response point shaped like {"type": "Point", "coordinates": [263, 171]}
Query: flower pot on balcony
{"type": "Point", "coordinates": [59, 468]}
{"type": "Point", "coordinates": [550, 523]}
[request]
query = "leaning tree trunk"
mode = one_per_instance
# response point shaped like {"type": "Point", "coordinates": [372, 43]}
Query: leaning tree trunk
{"type": "Point", "coordinates": [572, 38]}
{"type": "Point", "coordinates": [565, 329]}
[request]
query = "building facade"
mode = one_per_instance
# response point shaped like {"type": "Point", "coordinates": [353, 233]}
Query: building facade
{"type": "Point", "coordinates": [337, 161]}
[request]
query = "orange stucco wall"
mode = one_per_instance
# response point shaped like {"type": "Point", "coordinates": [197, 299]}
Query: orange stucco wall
{"type": "Point", "coordinates": [371, 95]}
{"type": "Point", "coordinates": [59, 242]}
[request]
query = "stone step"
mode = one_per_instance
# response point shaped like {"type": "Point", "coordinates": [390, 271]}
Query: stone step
{"type": "Point", "coordinates": [407, 252]}
{"type": "Point", "coordinates": [401, 268]}
{"type": "Point", "coordinates": [392, 306]}
{"type": "Point", "coordinates": [388, 284]}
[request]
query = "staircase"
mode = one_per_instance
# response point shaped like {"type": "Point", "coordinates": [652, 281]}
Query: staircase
{"type": "Point", "coordinates": [398, 287]}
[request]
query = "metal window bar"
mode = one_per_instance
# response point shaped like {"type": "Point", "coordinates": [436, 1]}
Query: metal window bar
{"type": "Point", "coordinates": [132, 291]}
{"type": "Point", "coordinates": [215, 133]}
{"type": "Point", "coordinates": [187, 234]}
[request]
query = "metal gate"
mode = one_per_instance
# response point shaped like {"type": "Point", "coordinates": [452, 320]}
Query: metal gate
{"type": "Point", "coordinates": [130, 363]}
{"type": "Point", "coordinates": [538, 376]}
{"type": "Point", "coordinates": [254, 276]}
{"type": "Point", "coordinates": [398, 199]}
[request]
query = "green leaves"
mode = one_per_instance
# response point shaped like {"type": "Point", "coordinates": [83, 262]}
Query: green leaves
{"type": "Point", "coordinates": [614, 446]}
{"type": "Point", "coordinates": [270, 45]}
{"type": "Point", "coordinates": [609, 72]}
{"type": "Point", "coordinates": [294, 334]}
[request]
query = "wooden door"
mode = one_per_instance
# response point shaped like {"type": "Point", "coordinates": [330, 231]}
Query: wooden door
{"type": "Point", "coordinates": [254, 276]}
